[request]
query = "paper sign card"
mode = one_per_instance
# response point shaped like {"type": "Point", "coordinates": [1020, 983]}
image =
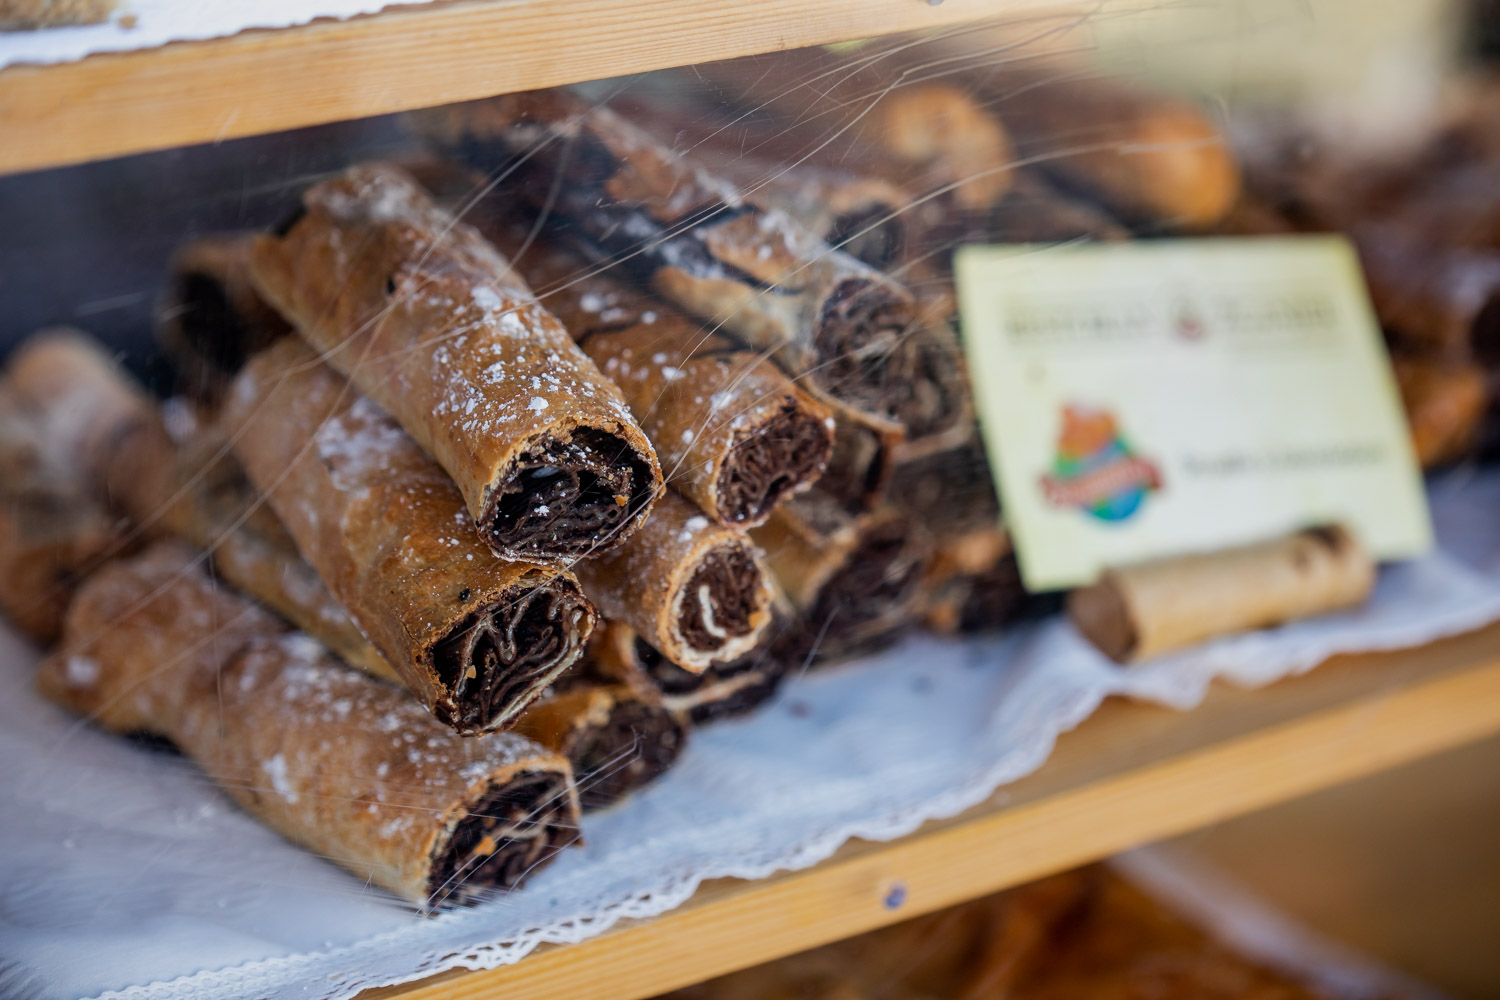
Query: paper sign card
{"type": "Point", "coordinates": [1155, 398]}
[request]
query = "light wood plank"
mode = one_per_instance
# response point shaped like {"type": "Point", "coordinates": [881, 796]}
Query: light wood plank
{"type": "Point", "coordinates": [1129, 775]}
{"type": "Point", "coordinates": [266, 81]}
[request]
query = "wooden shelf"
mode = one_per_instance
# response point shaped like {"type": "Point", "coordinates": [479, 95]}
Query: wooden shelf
{"type": "Point", "coordinates": [1129, 775]}
{"type": "Point", "coordinates": [417, 56]}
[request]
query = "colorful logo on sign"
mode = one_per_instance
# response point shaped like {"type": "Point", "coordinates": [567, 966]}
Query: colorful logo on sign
{"type": "Point", "coordinates": [1095, 469]}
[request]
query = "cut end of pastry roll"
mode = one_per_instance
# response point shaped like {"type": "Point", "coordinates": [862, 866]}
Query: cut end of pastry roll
{"type": "Point", "coordinates": [509, 828]}
{"type": "Point", "coordinates": [865, 357]}
{"type": "Point", "coordinates": [780, 458]}
{"type": "Point", "coordinates": [500, 657]}
{"type": "Point", "coordinates": [720, 612]}
{"type": "Point", "coordinates": [568, 495]}
{"type": "Point", "coordinates": [694, 587]}
{"type": "Point", "coordinates": [860, 465]}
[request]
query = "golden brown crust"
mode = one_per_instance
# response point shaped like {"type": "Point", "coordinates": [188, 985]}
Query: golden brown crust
{"type": "Point", "coordinates": [197, 491]}
{"type": "Point", "coordinates": [342, 764]}
{"type": "Point", "coordinates": [434, 326]}
{"type": "Point", "coordinates": [211, 318]}
{"type": "Point", "coordinates": [475, 637]}
{"type": "Point", "coordinates": [50, 539]}
{"type": "Point", "coordinates": [695, 588]}
{"type": "Point", "coordinates": [733, 434]}
{"type": "Point", "coordinates": [1138, 612]}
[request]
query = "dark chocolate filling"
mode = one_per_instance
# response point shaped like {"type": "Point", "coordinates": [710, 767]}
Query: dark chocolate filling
{"type": "Point", "coordinates": [783, 453]}
{"type": "Point", "coordinates": [719, 597]}
{"type": "Point", "coordinates": [865, 357]}
{"type": "Point", "coordinates": [637, 743]}
{"type": "Point", "coordinates": [513, 829]}
{"type": "Point", "coordinates": [500, 654]}
{"type": "Point", "coordinates": [569, 498]}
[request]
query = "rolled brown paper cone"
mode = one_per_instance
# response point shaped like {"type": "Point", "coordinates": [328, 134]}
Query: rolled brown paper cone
{"type": "Point", "coordinates": [831, 322]}
{"type": "Point", "coordinates": [849, 582]}
{"type": "Point", "coordinates": [1445, 407]}
{"type": "Point", "coordinates": [1140, 612]}
{"type": "Point", "coordinates": [1146, 155]}
{"type": "Point", "coordinates": [431, 323]}
{"type": "Point", "coordinates": [694, 588]}
{"type": "Point", "coordinates": [344, 765]}
{"type": "Point", "coordinates": [616, 739]}
{"type": "Point", "coordinates": [733, 434]}
{"type": "Point", "coordinates": [211, 318]}
{"type": "Point", "coordinates": [476, 638]}
{"type": "Point", "coordinates": [721, 691]}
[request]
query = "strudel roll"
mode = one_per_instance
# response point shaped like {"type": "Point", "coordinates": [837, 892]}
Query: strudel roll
{"type": "Point", "coordinates": [344, 765]}
{"type": "Point", "coordinates": [1146, 156]}
{"type": "Point", "coordinates": [733, 434]}
{"type": "Point", "coordinates": [433, 325]}
{"type": "Point", "coordinates": [476, 637]}
{"type": "Point", "coordinates": [694, 588]}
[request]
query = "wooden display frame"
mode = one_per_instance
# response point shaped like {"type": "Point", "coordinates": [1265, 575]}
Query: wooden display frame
{"type": "Point", "coordinates": [1128, 775]}
{"type": "Point", "coordinates": [185, 93]}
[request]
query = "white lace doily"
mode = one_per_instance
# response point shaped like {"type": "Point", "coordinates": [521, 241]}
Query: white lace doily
{"type": "Point", "coordinates": [123, 870]}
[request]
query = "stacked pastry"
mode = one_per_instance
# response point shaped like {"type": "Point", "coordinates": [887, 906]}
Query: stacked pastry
{"type": "Point", "coordinates": [389, 507]}
{"type": "Point", "coordinates": [478, 517]}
